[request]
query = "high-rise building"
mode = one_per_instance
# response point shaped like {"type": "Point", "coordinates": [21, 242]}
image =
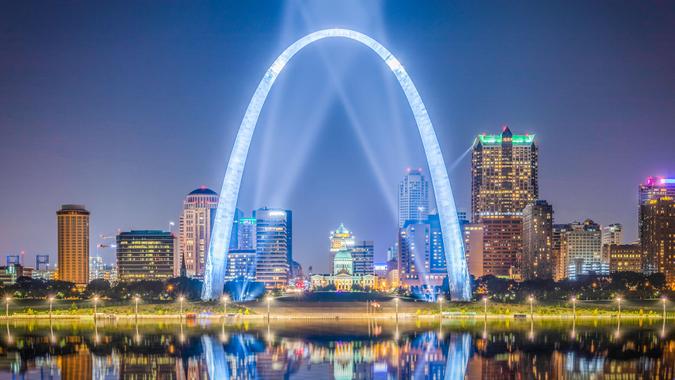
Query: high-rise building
{"type": "Point", "coordinates": [363, 253]}
{"type": "Point", "coordinates": [504, 171]}
{"type": "Point", "coordinates": [413, 248]}
{"type": "Point", "coordinates": [657, 237]}
{"type": "Point", "coordinates": [145, 255]}
{"type": "Point", "coordinates": [437, 262]}
{"type": "Point", "coordinates": [273, 247]}
{"type": "Point", "coordinates": [96, 268]}
{"type": "Point", "coordinates": [656, 188]}
{"type": "Point", "coordinates": [241, 263]}
{"type": "Point", "coordinates": [612, 234]}
{"type": "Point", "coordinates": [558, 254]}
{"type": "Point", "coordinates": [537, 259]}
{"type": "Point", "coordinates": [473, 246]}
{"type": "Point", "coordinates": [623, 257]}
{"type": "Point", "coordinates": [413, 197]}
{"type": "Point", "coordinates": [194, 231]}
{"type": "Point", "coordinates": [73, 244]}
{"type": "Point", "coordinates": [581, 246]}
{"type": "Point", "coordinates": [246, 234]}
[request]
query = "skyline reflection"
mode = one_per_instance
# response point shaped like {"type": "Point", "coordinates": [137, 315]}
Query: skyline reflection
{"type": "Point", "coordinates": [453, 350]}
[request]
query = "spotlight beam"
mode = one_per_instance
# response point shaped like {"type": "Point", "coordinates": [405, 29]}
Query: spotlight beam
{"type": "Point", "coordinates": [458, 276]}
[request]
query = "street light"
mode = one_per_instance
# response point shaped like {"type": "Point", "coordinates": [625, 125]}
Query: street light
{"type": "Point", "coordinates": [531, 299]}
{"type": "Point", "coordinates": [136, 299]}
{"type": "Point", "coordinates": [51, 301]}
{"type": "Point", "coordinates": [269, 300]}
{"type": "Point", "coordinates": [396, 301]}
{"type": "Point", "coordinates": [95, 303]}
{"type": "Point", "coordinates": [181, 299]}
{"type": "Point", "coordinates": [440, 308]}
{"type": "Point", "coordinates": [224, 299]}
{"type": "Point", "coordinates": [7, 299]}
{"type": "Point", "coordinates": [574, 307]}
{"type": "Point", "coordinates": [663, 301]}
{"type": "Point", "coordinates": [618, 299]}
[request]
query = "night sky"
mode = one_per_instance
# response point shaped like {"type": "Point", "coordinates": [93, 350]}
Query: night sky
{"type": "Point", "coordinates": [128, 106]}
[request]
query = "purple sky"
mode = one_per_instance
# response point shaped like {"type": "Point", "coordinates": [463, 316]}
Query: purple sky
{"type": "Point", "coordinates": [127, 106]}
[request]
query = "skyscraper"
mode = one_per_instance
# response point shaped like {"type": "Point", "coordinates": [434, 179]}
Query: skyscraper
{"type": "Point", "coordinates": [145, 255]}
{"type": "Point", "coordinates": [657, 236]}
{"type": "Point", "coordinates": [413, 197]}
{"type": "Point", "coordinates": [559, 258]}
{"type": "Point", "coordinates": [537, 259]}
{"type": "Point", "coordinates": [413, 248]}
{"type": "Point", "coordinates": [473, 245]}
{"type": "Point", "coordinates": [656, 188]}
{"type": "Point", "coordinates": [194, 231]}
{"type": "Point", "coordinates": [612, 234]}
{"type": "Point", "coordinates": [504, 171]}
{"type": "Point", "coordinates": [363, 253]}
{"type": "Point", "coordinates": [246, 234]}
{"type": "Point", "coordinates": [581, 247]}
{"type": "Point", "coordinates": [73, 244]}
{"type": "Point", "coordinates": [273, 247]}
{"type": "Point", "coordinates": [437, 262]}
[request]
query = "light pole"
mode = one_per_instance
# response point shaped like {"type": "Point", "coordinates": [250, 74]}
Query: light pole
{"type": "Point", "coordinates": [95, 304]}
{"type": "Point", "coordinates": [663, 301]}
{"type": "Point", "coordinates": [136, 299]}
{"type": "Point", "coordinates": [225, 299]}
{"type": "Point", "coordinates": [181, 299]}
{"type": "Point", "coordinates": [269, 300]}
{"type": "Point", "coordinates": [574, 307]}
{"type": "Point", "coordinates": [531, 299]}
{"type": "Point", "coordinates": [396, 301]}
{"type": "Point", "coordinates": [51, 301]}
{"type": "Point", "coordinates": [618, 299]}
{"type": "Point", "coordinates": [440, 308]}
{"type": "Point", "coordinates": [7, 299]}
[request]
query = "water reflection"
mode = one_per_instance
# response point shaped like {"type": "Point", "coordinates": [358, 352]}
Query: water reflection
{"type": "Point", "coordinates": [447, 350]}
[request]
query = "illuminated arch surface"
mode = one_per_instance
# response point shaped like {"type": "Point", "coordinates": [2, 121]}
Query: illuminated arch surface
{"type": "Point", "coordinates": [458, 276]}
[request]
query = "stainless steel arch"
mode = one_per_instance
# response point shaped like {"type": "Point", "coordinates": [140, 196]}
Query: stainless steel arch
{"type": "Point", "coordinates": [458, 276]}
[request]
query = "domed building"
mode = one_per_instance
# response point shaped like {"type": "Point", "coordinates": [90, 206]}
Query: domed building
{"type": "Point", "coordinates": [194, 231]}
{"type": "Point", "coordinates": [343, 278]}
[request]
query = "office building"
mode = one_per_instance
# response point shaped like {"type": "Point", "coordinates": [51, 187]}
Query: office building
{"type": "Point", "coordinates": [96, 268]}
{"type": "Point", "coordinates": [473, 247]}
{"type": "Point", "coordinates": [437, 262]}
{"type": "Point", "coordinates": [246, 234]}
{"type": "Point", "coordinates": [145, 255]}
{"type": "Point", "coordinates": [413, 197]}
{"type": "Point", "coordinates": [537, 259]}
{"type": "Point", "coordinates": [656, 188]}
{"type": "Point", "coordinates": [623, 257]}
{"type": "Point", "coordinates": [10, 273]}
{"type": "Point", "coordinates": [581, 246]}
{"type": "Point", "coordinates": [194, 231]}
{"type": "Point", "coordinates": [273, 247]}
{"type": "Point", "coordinates": [240, 265]}
{"type": "Point", "coordinates": [558, 255]}
{"type": "Point", "coordinates": [363, 254]}
{"type": "Point", "coordinates": [657, 236]}
{"type": "Point", "coordinates": [612, 234]}
{"type": "Point", "coordinates": [504, 170]}
{"type": "Point", "coordinates": [73, 244]}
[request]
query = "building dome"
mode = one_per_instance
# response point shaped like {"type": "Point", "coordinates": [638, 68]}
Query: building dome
{"type": "Point", "coordinates": [203, 190]}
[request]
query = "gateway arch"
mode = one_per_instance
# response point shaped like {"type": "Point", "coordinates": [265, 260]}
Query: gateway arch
{"type": "Point", "coordinates": [458, 275]}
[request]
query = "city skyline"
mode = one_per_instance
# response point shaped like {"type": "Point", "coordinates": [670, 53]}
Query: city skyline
{"type": "Point", "coordinates": [105, 182]}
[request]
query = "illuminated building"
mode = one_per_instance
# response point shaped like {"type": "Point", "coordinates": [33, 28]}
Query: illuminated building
{"type": "Point", "coordinates": [73, 244]}
{"type": "Point", "coordinates": [436, 252]}
{"type": "Point", "coordinates": [194, 231]}
{"type": "Point", "coordinates": [363, 254]}
{"type": "Point", "coordinates": [273, 247]}
{"type": "Point", "coordinates": [413, 197]}
{"type": "Point", "coordinates": [246, 234]}
{"type": "Point", "coordinates": [537, 258]}
{"type": "Point", "coordinates": [145, 255]}
{"type": "Point", "coordinates": [96, 268]}
{"type": "Point", "coordinates": [581, 246]}
{"type": "Point", "coordinates": [657, 236]}
{"type": "Point", "coordinates": [241, 264]}
{"type": "Point", "coordinates": [415, 252]}
{"type": "Point", "coordinates": [623, 257]}
{"type": "Point", "coordinates": [558, 254]}
{"type": "Point", "coordinates": [458, 277]}
{"type": "Point", "coordinates": [340, 239]}
{"type": "Point", "coordinates": [653, 189]}
{"type": "Point", "coordinates": [612, 234]}
{"type": "Point", "coordinates": [473, 244]}
{"type": "Point", "coordinates": [343, 277]}
{"type": "Point", "coordinates": [504, 171]}
{"type": "Point", "coordinates": [9, 273]}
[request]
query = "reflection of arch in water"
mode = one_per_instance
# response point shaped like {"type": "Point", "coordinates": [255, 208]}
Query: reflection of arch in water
{"type": "Point", "coordinates": [459, 351]}
{"type": "Point", "coordinates": [458, 275]}
{"type": "Point", "coordinates": [214, 355]}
